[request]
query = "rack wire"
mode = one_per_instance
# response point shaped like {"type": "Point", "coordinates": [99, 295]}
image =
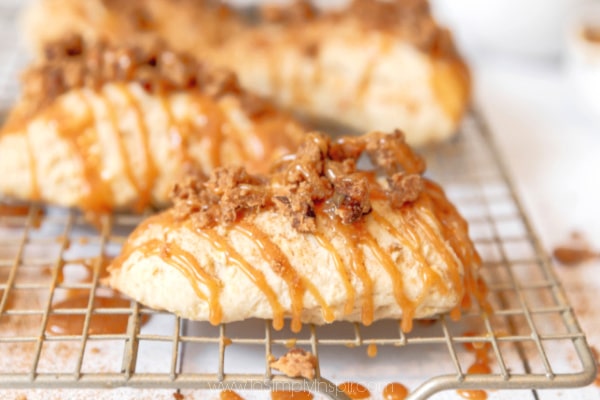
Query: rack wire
{"type": "Point", "coordinates": [531, 330]}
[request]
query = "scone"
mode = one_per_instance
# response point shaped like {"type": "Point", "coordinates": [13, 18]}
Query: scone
{"type": "Point", "coordinates": [111, 127]}
{"type": "Point", "coordinates": [374, 65]}
{"type": "Point", "coordinates": [316, 241]}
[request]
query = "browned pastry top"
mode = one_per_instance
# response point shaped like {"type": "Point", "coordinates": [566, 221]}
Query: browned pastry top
{"type": "Point", "coordinates": [71, 63]}
{"type": "Point", "coordinates": [410, 19]}
{"type": "Point", "coordinates": [321, 174]}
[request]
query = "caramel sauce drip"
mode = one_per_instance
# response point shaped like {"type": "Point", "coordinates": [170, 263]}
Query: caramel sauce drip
{"type": "Point", "coordinates": [344, 273]}
{"type": "Point", "coordinates": [408, 307]}
{"type": "Point", "coordinates": [229, 395]}
{"type": "Point", "coordinates": [480, 366]}
{"type": "Point", "coordinates": [281, 265]}
{"type": "Point", "coordinates": [394, 391]}
{"type": "Point", "coordinates": [178, 135]}
{"type": "Point", "coordinates": [213, 128]}
{"type": "Point", "coordinates": [121, 149]}
{"type": "Point", "coordinates": [351, 242]}
{"type": "Point", "coordinates": [83, 137]}
{"type": "Point", "coordinates": [256, 276]}
{"type": "Point", "coordinates": [591, 34]}
{"type": "Point", "coordinates": [372, 350]}
{"type": "Point", "coordinates": [472, 394]}
{"type": "Point", "coordinates": [10, 210]}
{"type": "Point", "coordinates": [149, 168]}
{"type": "Point", "coordinates": [291, 395]}
{"type": "Point", "coordinates": [100, 324]}
{"type": "Point", "coordinates": [186, 264]}
{"type": "Point", "coordinates": [455, 230]}
{"type": "Point", "coordinates": [35, 182]}
{"type": "Point", "coordinates": [354, 390]}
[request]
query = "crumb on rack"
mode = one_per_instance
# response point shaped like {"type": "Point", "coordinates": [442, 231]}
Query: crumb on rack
{"type": "Point", "coordinates": [575, 251]}
{"type": "Point", "coordinates": [178, 396]}
{"type": "Point", "coordinates": [296, 363]}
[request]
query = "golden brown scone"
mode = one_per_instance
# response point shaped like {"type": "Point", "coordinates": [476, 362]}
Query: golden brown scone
{"type": "Point", "coordinates": [375, 65]}
{"type": "Point", "coordinates": [105, 128]}
{"type": "Point", "coordinates": [316, 241]}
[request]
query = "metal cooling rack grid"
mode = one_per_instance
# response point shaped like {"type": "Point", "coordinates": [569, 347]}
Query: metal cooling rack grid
{"type": "Point", "coordinates": [534, 337]}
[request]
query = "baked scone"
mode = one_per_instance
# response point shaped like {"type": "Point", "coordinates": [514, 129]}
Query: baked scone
{"type": "Point", "coordinates": [110, 127]}
{"type": "Point", "coordinates": [316, 241]}
{"type": "Point", "coordinates": [374, 65]}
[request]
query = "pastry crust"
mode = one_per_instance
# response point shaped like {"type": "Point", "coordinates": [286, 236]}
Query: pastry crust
{"type": "Point", "coordinates": [375, 65]}
{"type": "Point", "coordinates": [91, 134]}
{"type": "Point", "coordinates": [307, 242]}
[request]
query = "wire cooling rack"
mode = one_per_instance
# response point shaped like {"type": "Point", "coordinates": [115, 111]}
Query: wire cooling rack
{"type": "Point", "coordinates": [532, 334]}
{"type": "Point", "coordinates": [534, 339]}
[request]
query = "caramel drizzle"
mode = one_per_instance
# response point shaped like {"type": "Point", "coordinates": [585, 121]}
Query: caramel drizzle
{"type": "Point", "coordinates": [99, 191]}
{"type": "Point", "coordinates": [187, 265]}
{"type": "Point", "coordinates": [123, 154]}
{"type": "Point", "coordinates": [408, 308]}
{"type": "Point", "coordinates": [150, 171]}
{"type": "Point", "coordinates": [256, 276]}
{"type": "Point", "coordinates": [358, 265]}
{"type": "Point", "coordinates": [339, 264]}
{"type": "Point", "coordinates": [214, 128]}
{"type": "Point", "coordinates": [281, 265]}
{"type": "Point", "coordinates": [35, 185]}
{"type": "Point", "coordinates": [455, 230]}
{"type": "Point", "coordinates": [175, 129]}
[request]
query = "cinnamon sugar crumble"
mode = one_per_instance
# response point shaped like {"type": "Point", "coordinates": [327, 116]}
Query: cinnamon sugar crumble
{"type": "Point", "coordinates": [410, 19]}
{"type": "Point", "coordinates": [404, 188]}
{"type": "Point", "coordinates": [322, 174]}
{"type": "Point", "coordinates": [296, 363]}
{"type": "Point", "coordinates": [70, 63]}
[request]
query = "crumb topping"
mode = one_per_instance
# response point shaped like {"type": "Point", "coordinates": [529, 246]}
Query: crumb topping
{"type": "Point", "coordinates": [71, 63]}
{"type": "Point", "coordinates": [296, 363]}
{"type": "Point", "coordinates": [321, 176]}
{"type": "Point", "coordinates": [411, 19]}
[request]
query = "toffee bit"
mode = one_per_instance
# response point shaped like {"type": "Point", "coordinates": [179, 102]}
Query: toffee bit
{"type": "Point", "coordinates": [392, 154]}
{"type": "Point", "coordinates": [404, 188]}
{"type": "Point", "coordinates": [296, 363]}
{"type": "Point", "coordinates": [321, 176]}
{"type": "Point", "coordinates": [351, 198]}
{"type": "Point", "coordinates": [298, 11]}
{"type": "Point", "coordinates": [72, 63]}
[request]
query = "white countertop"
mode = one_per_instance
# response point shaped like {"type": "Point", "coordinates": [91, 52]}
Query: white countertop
{"type": "Point", "coordinates": [552, 151]}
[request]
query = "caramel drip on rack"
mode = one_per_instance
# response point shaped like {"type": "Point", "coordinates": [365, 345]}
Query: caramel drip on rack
{"type": "Point", "coordinates": [256, 276]}
{"type": "Point", "coordinates": [394, 391]}
{"type": "Point", "coordinates": [281, 265]}
{"type": "Point", "coordinates": [100, 324]}
{"type": "Point", "coordinates": [344, 274]}
{"type": "Point", "coordinates": [150, 171]}
{"type": "Point", "coordinates": [351, 241]}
